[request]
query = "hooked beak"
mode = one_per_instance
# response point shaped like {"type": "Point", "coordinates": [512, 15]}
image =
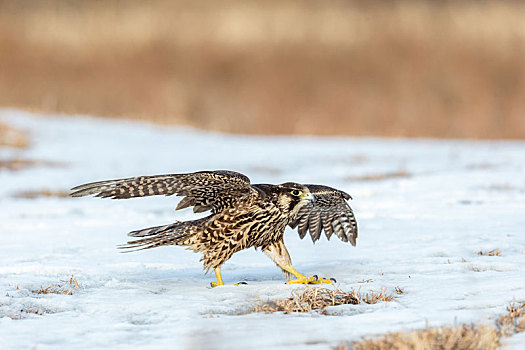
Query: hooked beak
{"type": "Point", "coordinates": [308, 196]}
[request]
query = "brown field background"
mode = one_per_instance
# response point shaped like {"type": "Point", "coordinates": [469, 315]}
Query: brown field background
{"type": "Point", "coordinates": [386, 68]}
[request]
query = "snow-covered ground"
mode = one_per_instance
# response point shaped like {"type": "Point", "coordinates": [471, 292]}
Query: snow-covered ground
{"type": "Point", "coordinates": [421, 233]}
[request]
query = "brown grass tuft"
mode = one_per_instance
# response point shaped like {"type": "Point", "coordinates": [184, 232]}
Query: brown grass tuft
{"type": "Point", "coordinates": [493, 252]}
{"type": "Point", "coordinates": [315, 298]}
{"type": "Point", "coordinates": [463, 337]}
{"type": "Point", "coordinates": [32, 194]}
{"type": "Point", "coordinates": [67, 289]}
{"type": "Point", "coordinates": [514, 320]}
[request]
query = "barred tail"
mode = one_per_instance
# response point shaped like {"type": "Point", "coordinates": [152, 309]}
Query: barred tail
{"type": "Point", "coordinates": [151, 231]}
{"type": "Point", "coordinates": [178, 233]}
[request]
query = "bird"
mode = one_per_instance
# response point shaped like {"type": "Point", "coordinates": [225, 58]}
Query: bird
{"type": "Point", "coordinates": [242, 215]}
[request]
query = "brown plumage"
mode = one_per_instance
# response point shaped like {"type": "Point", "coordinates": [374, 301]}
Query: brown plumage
{"type": "Point", "coordinates": [242, 215]}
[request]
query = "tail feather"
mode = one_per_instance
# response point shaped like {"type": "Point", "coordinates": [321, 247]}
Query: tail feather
{"type": "Point", "coordinates": [150, 231]}
{"type": "Point", "coordinates": [155, 241]}
{"type": "Point", "coordinates": [178, 233]}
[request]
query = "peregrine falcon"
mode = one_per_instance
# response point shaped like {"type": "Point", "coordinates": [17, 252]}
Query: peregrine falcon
{"type": "Point", "coordinates": [243, 215]}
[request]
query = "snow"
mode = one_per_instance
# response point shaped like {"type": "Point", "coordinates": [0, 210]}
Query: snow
{"type": "Point", "coordinates": [421, 233]}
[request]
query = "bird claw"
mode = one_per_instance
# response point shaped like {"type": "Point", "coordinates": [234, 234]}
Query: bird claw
{"type": "Point", "coordinates": [311, 280]}
{"type": "Point", "coordinates": [215, 284]}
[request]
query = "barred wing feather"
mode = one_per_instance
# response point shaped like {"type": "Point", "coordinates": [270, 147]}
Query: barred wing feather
{"type": "Point", "coordinates": [329, 213]}
{"type": "Point", "coordinates": [204, 190]}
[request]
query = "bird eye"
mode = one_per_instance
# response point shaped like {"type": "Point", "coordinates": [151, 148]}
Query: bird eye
{"type": "Point", "coordinates": [296, 193]}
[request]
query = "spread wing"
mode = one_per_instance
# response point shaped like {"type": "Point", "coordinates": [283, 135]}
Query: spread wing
{"type": "Point", "coordinates": [204, 190]}
{"type": "Point", "coordinates": [330, 212]}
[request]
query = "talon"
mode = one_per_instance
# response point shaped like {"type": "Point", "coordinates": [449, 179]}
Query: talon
{"type": "Point", "coordinates": [309, 280]}
{"type": "Point", "coordinates": [239, 283]}
{"type": "Point", "coordinates": [333, 279]}
{"type": "Point", "coordinates": [325, 280]}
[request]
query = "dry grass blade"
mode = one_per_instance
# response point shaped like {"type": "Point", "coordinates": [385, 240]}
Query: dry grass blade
{"type": "Point", "coordinates": [47, 290]}
{"type": "Point", "coordinates": [493, 252]}
{"type": "Point", "coordinates": [33, 310]}
{"type": "Point", "coordinates": [366, 281]}
{"type": "Point", "coordinates": [514, 321]}
{"type": "Point", "coordinates": [61, 289]}
{"type": "Point", "coordinates": [463, 337]}
{"type": "Point", "coordinates": [374, 297]}
{"type": "Point", "coordinates": [314, 298]}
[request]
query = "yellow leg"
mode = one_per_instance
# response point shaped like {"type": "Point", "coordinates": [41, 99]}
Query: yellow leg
{"type": "Point", "coordinates": [219, 278]}
{"type": "Point", "coordinates": [302, 279]}
{"type": "Point", "coordinates": [279, 254]}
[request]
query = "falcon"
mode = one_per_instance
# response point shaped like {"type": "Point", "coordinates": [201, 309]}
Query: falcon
{"type": "Point", "coordinates": [242, 215]}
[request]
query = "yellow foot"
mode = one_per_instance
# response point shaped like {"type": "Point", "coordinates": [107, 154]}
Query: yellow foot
{"type": "Point", "coordinates": [219, 282]}
{"type": "Point", "coordinates": [215, 284]}
{"type": "Point", "coordinates": [311, 280]}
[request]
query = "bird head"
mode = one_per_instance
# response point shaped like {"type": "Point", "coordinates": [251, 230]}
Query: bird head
{"type": "Point", "coordinates": [292, 196]}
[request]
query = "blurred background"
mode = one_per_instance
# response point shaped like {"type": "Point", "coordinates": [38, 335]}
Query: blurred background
{"type": "Point", "coordinates": [453, 69]}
